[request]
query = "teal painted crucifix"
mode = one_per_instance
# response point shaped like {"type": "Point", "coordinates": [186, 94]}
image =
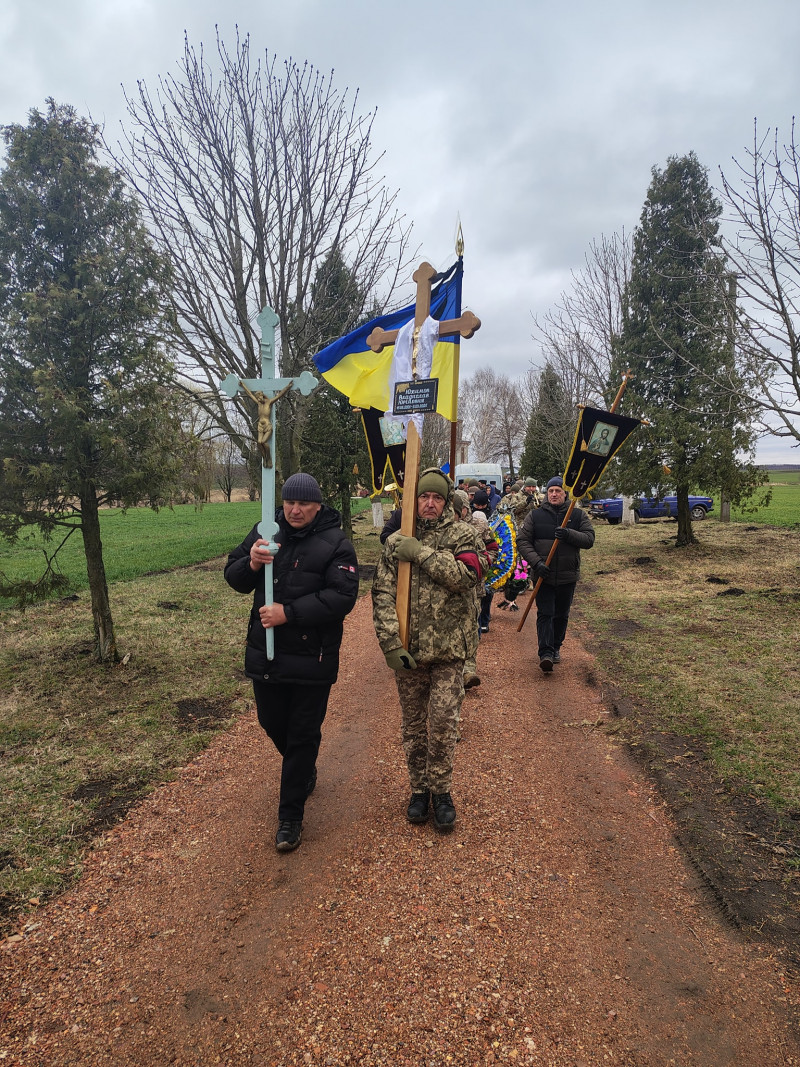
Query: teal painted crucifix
{"type": "Point", "coordinates": [265, 391]}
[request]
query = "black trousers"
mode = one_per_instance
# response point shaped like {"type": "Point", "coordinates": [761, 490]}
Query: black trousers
{"type": "Point", "coordinates": [552, 614]}
{"type": "Point", "coordinates": [292, 716]}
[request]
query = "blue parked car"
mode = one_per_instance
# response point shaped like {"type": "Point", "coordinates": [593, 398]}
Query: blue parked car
{"type": "Point", "coordinates": [610, 508]}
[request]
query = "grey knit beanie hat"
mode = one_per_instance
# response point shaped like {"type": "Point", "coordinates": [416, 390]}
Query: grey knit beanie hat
{"type": "Point", "coordinates": [301, 487]}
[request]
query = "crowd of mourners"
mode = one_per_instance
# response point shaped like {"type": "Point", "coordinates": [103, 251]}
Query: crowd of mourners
{"type": "Point", "coordinates": [461, 534]}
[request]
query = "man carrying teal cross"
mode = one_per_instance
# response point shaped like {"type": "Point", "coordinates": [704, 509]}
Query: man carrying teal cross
{"type": "Point", "coordinates": [303, 575]}
{"type": "Point", "coordinates": [313, 579]}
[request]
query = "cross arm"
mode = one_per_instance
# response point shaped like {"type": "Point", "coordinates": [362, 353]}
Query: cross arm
{"type": "Point", "coordinates": [305, 383]}
{"type": "Point", "coordinates": [465, 324]}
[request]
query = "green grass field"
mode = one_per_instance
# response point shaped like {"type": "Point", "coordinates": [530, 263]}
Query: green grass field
{"type": "Point", "coordinates": [784, 507]}
{"type": "Point", "coordinates": [141, 541]}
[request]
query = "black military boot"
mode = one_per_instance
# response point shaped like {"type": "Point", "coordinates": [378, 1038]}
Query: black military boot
{"type": "Point", "coordinates": [444, 813]}
{"type": "Point", "coordinates": [418, 807]}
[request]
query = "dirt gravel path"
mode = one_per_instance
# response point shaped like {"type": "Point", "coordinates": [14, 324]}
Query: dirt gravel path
{"type": "Point", "coordinates": [559, 924]}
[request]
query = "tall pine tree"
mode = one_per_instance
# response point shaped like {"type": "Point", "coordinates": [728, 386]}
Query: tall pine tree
{"type": "Point", "coordinates": [677, 341]}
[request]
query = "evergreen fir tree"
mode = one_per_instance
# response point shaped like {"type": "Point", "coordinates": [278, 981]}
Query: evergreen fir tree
{"type": "Point", "coordinates": [333, 448]}
{"type": "Point", "coordinates": [676, 340]}
{"type": "Point", "coordinates": [86, 412]}
{"type": "Point", "coordinates": [551, 428]}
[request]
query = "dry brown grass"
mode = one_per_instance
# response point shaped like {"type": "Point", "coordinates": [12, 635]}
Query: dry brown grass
{"type": "Point", "coordinates": [704, 641]}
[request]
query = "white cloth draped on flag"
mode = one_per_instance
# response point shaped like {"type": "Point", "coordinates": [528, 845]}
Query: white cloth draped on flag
{"type": "Point", "coordinates": [400, 370]}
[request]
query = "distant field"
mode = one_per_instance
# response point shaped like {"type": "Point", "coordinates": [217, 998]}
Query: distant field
{"type": "Point", "coordinates": [787, 477]}
{"type": "Point", "coordinates": [783, 509]}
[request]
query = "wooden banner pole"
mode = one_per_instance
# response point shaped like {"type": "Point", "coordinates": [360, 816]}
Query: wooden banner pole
{"type": "Point", "coordinates": [570, 509]}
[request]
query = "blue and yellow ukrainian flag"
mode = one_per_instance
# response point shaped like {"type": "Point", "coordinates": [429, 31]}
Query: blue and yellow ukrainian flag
{"type": "Point", "coordinates": [352, 368]}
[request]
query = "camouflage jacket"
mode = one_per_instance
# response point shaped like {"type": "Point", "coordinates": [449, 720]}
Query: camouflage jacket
{"type": "Point", "coordinates": [443, 585]}
{"type": "Point", "coordinates": [519, 504]}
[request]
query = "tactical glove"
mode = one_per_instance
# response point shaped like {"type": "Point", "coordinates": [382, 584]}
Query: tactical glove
{"type": "Point", "coordinates": [408, 549]}
{"type": "Point", "coordinates": [562, 533]}
{"type": "Point", "coordinates": [541, 570]}
{"type": "Point", "coordinates": [400, 660]}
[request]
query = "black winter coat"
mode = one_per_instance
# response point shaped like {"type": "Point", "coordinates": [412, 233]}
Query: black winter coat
{"type": "Point", "coordinates": [315, 578]}
{"type": "Point", "coordinates": [538, 532]}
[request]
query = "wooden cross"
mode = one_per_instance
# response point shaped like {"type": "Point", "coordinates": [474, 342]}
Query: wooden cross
{"type": "Point", "coordinates": [265, 391]}
{"type": "Point", "coordinates": [465, 325]}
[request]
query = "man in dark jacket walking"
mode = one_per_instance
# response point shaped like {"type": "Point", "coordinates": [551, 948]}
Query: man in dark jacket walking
{"type": "Point", "coordinates": [314, 580]}
{"type": "Point", "coordinates": [553, 601]}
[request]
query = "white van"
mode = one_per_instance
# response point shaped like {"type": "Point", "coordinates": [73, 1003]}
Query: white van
{"type": "Point", "coordinates": [484, 472]}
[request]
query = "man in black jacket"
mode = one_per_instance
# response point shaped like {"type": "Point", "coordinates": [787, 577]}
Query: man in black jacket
{"type": "Point", "coordinates": [541, 527]}
{"type": "Point", "coordinates": [314, 580]}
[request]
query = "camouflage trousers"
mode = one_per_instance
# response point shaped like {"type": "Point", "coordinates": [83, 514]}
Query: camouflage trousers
{"type": "Point", "coordinates": [430, 699]}
{"type": "Point", "coordinates": [471, 663]}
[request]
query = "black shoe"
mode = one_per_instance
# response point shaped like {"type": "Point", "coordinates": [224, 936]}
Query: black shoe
{"type": "Point", "coordinates": [556, 657]}
{"type": "Point", "coordinates": [546, 664]}
{"type": "Point", "coordinates": [418, 807]}
{"type": "Point", "coordinates": [484, 629]}
{"type": "Point", "coordinates": [288, 836]}
{"type": "Point", "coordinates": [444, 814]}
{"type": "Point", "coordinates": [312, 783]}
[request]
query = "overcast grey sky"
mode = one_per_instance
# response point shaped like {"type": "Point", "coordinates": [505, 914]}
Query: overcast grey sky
{"type": "Point", "coordinates": [537, 125]}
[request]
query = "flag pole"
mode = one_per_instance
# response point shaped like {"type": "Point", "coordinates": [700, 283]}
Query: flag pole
{"type": "Point", "coordinates": [570, 509]}
{"type": "Point", "coordinates": [456, 360]}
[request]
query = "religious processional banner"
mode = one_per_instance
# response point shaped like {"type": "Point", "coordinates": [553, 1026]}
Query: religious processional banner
{"type": "Point", "coordinates": [598, 438]}
{"type": "Point", "coordinates": [364, 376]}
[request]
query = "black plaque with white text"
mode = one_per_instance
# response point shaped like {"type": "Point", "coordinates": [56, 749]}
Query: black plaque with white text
{"type": "Point", "coordinates": [415, 398]}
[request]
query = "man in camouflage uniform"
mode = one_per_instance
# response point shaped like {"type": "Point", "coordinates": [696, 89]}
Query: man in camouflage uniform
{"type": "Point", "coordinates": [488, 540]}
{"type": "Point", "coordinates": [519, 501]}
{"type": "Point", "coordinates": [446, 566]}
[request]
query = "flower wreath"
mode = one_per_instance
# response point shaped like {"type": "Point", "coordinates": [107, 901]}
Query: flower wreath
{"type": "Point", "coordinates": [507, 556]}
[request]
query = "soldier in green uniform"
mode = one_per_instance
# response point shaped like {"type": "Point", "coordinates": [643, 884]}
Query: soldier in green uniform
{"type": "Point", "coordinates": [447, 563]}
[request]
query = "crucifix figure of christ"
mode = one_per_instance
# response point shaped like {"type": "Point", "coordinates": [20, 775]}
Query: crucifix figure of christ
{"type": "Point", "coordinates": [265, 391]}
{"type": "Point", "coordinates": [465, 325]}
{"type": "Point", "coordinates": [264, 428]}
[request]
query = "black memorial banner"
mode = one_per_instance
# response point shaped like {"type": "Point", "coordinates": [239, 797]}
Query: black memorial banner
{"type": "Point", "coordinates": [598, 438]}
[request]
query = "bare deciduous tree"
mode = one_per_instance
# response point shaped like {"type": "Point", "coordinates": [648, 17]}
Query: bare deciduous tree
{"type": "Point", "coordinates": [765, 256]}
{"type": "Point", "coordinates": [493, 413]}
{"type": "Point", "coordinates": [253, 174]}
{"type": "Point", "coordinates": [435, 441]}
{"type": "Point", "coordinates": [578, 335]}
